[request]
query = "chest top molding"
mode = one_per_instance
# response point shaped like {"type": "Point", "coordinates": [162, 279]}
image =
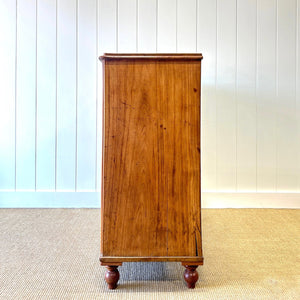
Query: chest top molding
{"type": "Point", "coordinates": [149, 56]}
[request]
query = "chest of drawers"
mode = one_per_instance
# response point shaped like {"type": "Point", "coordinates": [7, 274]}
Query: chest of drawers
{"type": "Point", "coordinates": [150, 202]}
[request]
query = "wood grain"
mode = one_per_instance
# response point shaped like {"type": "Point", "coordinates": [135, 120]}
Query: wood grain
{"type": "Point", "coordinates": [155, 56]}
{"type": "Point", "coordinates": [117, 260]}
{"type": "Point", "coordinates": [151, 162]}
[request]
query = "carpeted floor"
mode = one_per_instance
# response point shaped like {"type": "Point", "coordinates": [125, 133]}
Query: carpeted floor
{"type": "Point", "coordinates": [53, 254]}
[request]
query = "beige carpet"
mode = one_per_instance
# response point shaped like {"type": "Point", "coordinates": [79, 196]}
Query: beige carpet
{"type": "Point", "coordinates": [53, 254]}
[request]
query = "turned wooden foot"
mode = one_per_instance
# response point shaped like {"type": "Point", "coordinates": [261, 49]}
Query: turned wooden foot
{"type": "Point", "coordinates": [112, 276]}
{"type": "Point", "coordinates": [190, 276]}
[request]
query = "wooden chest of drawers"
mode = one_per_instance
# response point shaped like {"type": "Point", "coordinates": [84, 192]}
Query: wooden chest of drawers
{"type": "Point", "coordinates": [150, 206]}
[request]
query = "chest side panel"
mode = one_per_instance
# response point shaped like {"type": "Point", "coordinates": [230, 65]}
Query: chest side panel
{"type": "Point", "coordinates": [134, 217]}
{"type": "Point", "coordinates": [179, 143]}
{"type": "Point", "coordinates": [151, 170]}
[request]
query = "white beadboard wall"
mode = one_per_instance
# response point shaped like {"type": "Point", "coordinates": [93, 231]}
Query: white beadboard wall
{"type": "Point", "coordinates": [51, 94]}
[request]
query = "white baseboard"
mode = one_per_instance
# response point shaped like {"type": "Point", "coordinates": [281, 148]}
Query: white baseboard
{"type": "Point", "coordinates": [49, 199]}
{"type": "Point", "coordinates": [250, 200]}
{"type": "Point", "coordinates": [30, 199]}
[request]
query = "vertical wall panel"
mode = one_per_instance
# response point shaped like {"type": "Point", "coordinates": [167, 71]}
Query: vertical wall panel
{"type": "Point", "coordinates": [107, 26]}
{"type": "Point", "coordinates": [266, 95]}
{"type": "Point", "coordinates": [99, 97]}
{"type": "Point", "coordinates": [166, 26]}
{"type": "Point", "coordinates": [186, 25]}
{"type": "Point", "coordinates": [146, 26]}
{"type": "Point", "coordinates": [46, 95]}
{"type": "Point", "coordinates": [107, 42]}
{"type": "Point", "coordinates": [127, 22]}
{"type": "Point", "coordinates": [7, 93]}
{"type": "Point", "coordinates": [246, 95]}
{"type": "Point", "coordinates": [286, 109]}
{"type": "Point", "coordinates": [206, 44]}
{"type": "Point", "coordinates": [226, 95]}
{"type": "Point", "coordinates": [26, 95]}
{"type": "Point", "coordinates": [298, 88]}
{"type": "Point", "coordinates": [250, 87]}
{"type": "Point", "coordinates": [66, 94]}
{"type": "Point", "coordinates": [86, 98]}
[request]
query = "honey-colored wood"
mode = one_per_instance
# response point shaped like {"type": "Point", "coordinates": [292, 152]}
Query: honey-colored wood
{"type": "Point", "coordinates": [108, 260]}
{"type": "Point", "coordinates": [151, 158]}
{"type": "Point", "coordinates": [155, 56]}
